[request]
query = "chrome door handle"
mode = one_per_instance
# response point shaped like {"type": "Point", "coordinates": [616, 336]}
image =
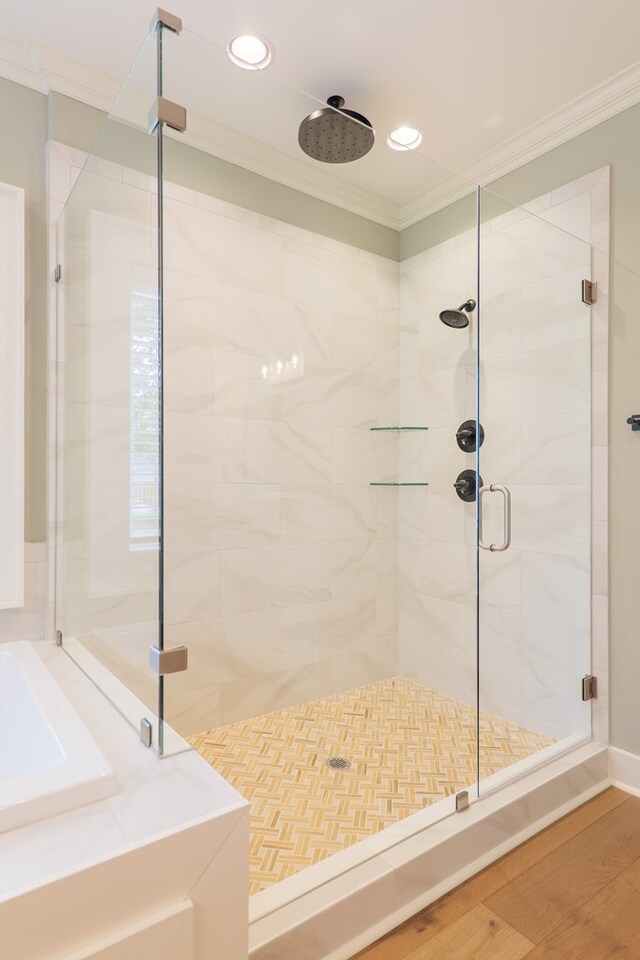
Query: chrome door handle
{"type": "Point", "coordinates": [506, 543]}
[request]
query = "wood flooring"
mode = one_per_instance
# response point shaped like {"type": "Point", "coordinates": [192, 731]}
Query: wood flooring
{"type": "Point", "coordinates": [570, 893]}
{"type": "Point", "coordinates": [406, 746]}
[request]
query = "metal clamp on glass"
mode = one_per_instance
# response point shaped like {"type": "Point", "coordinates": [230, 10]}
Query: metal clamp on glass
{"type": "Point", "coordinates": [173, 660]}
{"type": "Point", "coordinates": [506, 542]}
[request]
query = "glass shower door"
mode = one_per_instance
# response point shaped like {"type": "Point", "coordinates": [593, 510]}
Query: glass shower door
{"type": "Point", "coordinates": [534, 463]}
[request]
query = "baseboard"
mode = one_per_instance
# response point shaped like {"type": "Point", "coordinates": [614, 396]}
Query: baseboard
{"type": "Point", "coordinates": [350, 912]}
{"type": "Point", "coordinates": [624, 769]}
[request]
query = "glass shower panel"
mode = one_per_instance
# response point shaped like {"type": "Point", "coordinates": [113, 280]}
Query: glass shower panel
{"type": "Point", "coordinates": [320, 565]}
{"type": "Point", "coordinates": [108, 400]}
{"type": "Point", "coordinates": [534, 461]}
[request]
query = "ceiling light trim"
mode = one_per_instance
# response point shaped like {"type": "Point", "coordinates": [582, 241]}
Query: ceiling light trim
{"type": "Point", "coordinates": [243, 64]}
{"type": "Point", "coordinates": [394, 144]}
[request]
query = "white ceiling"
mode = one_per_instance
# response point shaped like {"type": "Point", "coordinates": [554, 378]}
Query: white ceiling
{"type": "Point", "coordinates": [475, 76]}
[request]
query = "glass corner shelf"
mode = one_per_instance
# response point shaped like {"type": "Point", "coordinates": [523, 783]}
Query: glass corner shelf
{"type": "Point", "coordinates": [388, 483]}
{"type": "Point", "coordinates": [397, 429]}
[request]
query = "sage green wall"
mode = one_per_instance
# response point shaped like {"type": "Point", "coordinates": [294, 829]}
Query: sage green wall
{"type": "Point", "coordinates": [23, 120]}
{"type": "Point", "coordinates": [77, 125]}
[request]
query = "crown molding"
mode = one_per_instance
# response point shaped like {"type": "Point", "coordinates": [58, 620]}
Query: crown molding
{"type": "Point", "coordinates": [599, 104]}
{"type": "Point", "coordinates": [49, 70]}
{"type": "Point", "coordinates": [17, 64]}
{"type": "Point", "coordinates": [220, 141]}
{"type": "Point", "coordinates": [37, 66]}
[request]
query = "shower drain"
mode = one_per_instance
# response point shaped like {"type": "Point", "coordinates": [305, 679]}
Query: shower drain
{"type": "Point", "coordinates": [338, 763]}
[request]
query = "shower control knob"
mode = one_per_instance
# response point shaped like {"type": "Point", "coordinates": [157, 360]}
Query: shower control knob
{"type": "Point", "coordinates": [466, 485]}
{"type": "Point", "coordinates": [466, 437]}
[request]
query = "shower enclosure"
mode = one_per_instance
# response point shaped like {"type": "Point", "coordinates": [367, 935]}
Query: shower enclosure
{"type": "Point", "coordinates": [340, 548]}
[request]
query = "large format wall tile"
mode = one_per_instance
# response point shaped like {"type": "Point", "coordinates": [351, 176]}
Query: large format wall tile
{"type": "Point", "coordinates": [288, 576]}
{"type": "Point", "coordinates": [532, 339]}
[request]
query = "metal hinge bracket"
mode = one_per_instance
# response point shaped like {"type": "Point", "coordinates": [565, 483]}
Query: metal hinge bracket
{"type": "Point", "coordinates": [462, 801]}
{"type": "Point", "coordinates": [146, 731]}
{"type": "Point", "coordinates": [173, 660]}
{"type": "Point", "coordinates": [589, 688]}
{"type": "Point", "coordinates": [58, 638]}
{"type": "Point", "coordinates": [57, 273]}
{"type": "Point", "coordinates": [589, 292]}
{"type": "Point", "coordinates": [168, 112]}
{"type": "Point", "coordinates": [166, 19]}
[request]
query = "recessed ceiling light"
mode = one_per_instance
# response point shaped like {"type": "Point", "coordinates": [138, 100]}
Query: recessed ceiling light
{"type": "Point", "coordinates": [250, 53]}
{"type": "Point", "coordinates": [404, 138]}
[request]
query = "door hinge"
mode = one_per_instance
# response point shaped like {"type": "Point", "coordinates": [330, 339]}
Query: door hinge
{"type": "Point", "coordinates": [462, 801]}
{"type": "Point", "coordinates": [146, 731]}
{"type": "Point", "coordinates": [589, 688]}
{"type": "Point", "coordinates": [58, 638]}
{"type": "Point", "coordinates": [173, 660]}
{"type": "Point", "coordinates": [589, 292]}
{"type": "Point", "coordinates": [57, 273]}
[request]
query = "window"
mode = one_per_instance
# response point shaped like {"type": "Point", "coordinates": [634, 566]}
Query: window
{"type": "Point", "coordinates": [144, 501]}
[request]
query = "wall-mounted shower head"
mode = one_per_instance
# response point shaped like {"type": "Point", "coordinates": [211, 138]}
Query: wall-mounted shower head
{"type": "Point", "coordinates": [336, 135]}
{"type": "Point", "coordinates": [459, 317]}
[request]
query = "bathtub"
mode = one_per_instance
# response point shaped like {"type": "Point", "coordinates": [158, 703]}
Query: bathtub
{"type": "Point", "coordinates": [49, 763]}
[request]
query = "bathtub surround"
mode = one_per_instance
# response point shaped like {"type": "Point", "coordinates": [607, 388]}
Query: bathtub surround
{"type": "Point", "coordinates": [87, 871]}
{"type": "Point", "coordinates": [49, 762]}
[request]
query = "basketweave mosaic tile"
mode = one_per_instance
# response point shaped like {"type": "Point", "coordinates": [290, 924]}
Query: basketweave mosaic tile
{"type": "Point", "coordinates": [405, 747]}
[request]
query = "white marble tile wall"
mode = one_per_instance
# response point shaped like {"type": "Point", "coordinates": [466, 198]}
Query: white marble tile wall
{"type": "Point", "coordinates": [293, 356]}
{"type": "Point", "coordinates": [281, 352]}
{"type": "Point", "coordinates": [537, 343]}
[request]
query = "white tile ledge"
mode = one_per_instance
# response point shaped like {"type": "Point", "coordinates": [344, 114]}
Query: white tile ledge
{"type": "Point", "coordinates": [156, 797]}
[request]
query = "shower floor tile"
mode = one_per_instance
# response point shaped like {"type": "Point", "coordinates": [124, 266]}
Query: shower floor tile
{"type": "Point", "coordinates": [408, 747]}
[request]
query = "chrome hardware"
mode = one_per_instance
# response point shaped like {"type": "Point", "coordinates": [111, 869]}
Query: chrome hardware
{"type": "Point", "coordinates": [168, 112]}
{"type": "Point", "coordinates": [589, 688]}
{"type": "Point", "coordinates": [57, 273]}
{"type": "Point", "coordinates": [173, 660]}
{"type": "Point", "coordinates": [589, 292]}
{"type": "Point", "coordinates": [168, 20]}
{"type": "Point", "coordinates": [462, 801]}
{"type": "Point", "coordinates": [58, 638]}
{"type": "Point", "coordinates": [506, 543]}
{"type": "Point", "coordinates": [146, 731]}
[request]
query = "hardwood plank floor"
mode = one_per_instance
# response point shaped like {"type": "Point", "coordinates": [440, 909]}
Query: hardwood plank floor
{"type": "Point", "coordinates": [571, 891]}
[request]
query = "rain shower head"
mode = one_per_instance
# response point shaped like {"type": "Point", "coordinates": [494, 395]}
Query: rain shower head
{"type": "Point", "coordinates": [336, 135]}
{"type": "Point", "coordinates": [459, 317]}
